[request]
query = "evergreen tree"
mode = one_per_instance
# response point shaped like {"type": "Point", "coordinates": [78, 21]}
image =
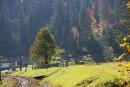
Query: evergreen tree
{"type": "Point", "coordinates": [43, 47]}
{"type": "Point", "coordinates": [76, 41]}
{"type": "Point", "coordinates": [84, 20]}
{"type": "Point", "coordinates": [57, 21]}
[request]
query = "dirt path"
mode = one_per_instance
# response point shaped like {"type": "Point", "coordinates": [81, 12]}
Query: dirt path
{"type": "Point", "coordinates": [22, 82]}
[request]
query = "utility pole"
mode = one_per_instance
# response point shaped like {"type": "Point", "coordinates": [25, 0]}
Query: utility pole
{"type": "Point", "coordinates": [0, 73]}
{"type": "Point", "coordinates": [67, 60]}
{"type": "Point", "coordinates": [20, 59]}
{"type": "Point", "coordinates": [0, 77]}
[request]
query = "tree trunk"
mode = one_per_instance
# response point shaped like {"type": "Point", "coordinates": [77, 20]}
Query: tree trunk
{"type": "Point", "coordinates": [46, 60]}
{"type": "Point", "coordinates": [75, 51]}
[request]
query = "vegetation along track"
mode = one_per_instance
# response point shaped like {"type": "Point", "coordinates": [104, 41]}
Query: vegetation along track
{"type": "Point", "coordinates": [23, 82]}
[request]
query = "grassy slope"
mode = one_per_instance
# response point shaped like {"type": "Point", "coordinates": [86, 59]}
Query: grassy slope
{"type": "Point", "coordinates": [4, 83]}
{"type": "Point", "coordinates": [69, 77]}
{"type": "Point", "coordinates": [72, 75]}
{"type": "Point", "coordinates": [33, 73]}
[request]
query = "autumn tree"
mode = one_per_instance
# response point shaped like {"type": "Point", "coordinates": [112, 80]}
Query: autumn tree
{"type": "Point", "coordinates": [43, 48]}
{"type": "Point", "coordinates": [125, 22]}
{"type": "Point", "coordinates": [124, 41]}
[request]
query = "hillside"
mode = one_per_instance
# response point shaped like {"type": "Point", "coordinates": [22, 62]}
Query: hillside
{"type": "Point", "coordinates": [93, 19]}
{"type": "Point", "coordinates": [64, 43]}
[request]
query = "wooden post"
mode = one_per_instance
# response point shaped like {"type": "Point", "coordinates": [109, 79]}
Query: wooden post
{"type": "Point", "coordinates": [26, 66]}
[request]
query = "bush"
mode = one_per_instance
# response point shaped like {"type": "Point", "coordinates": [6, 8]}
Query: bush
{"type": "Point", "coordinates": [108, 81]}
{"type": "Point", "coordinates": [88, 59]}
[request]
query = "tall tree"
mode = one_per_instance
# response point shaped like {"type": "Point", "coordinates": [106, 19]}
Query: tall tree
{"type": "Point", "coordinates": [43, 47]}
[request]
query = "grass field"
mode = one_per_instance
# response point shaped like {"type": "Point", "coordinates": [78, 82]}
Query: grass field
{"type": "Point", "coordinates": [101, 75]}
{"type": "Point", "coordinates": [4, 83]}
{"type": "Point", "coordinates": [85, 75]}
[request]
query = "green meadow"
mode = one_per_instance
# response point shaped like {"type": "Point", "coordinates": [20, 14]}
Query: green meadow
{"type": "Point", "coordinates": [97, 75]}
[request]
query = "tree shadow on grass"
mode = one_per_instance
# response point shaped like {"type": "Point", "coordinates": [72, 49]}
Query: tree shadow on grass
{"type": "Point", "coordinates": [41, 77]}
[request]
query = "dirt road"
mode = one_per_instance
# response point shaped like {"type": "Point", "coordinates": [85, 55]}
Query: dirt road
{"type": "Point", "coordinates": [22, 82]}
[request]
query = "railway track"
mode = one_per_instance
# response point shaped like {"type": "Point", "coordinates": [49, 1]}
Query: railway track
{"type": "Point", "coordinates": [23, 82]}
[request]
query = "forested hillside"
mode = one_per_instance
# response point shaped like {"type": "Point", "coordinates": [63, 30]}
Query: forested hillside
{"type": "Point", "coordinates": [80, 27]}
